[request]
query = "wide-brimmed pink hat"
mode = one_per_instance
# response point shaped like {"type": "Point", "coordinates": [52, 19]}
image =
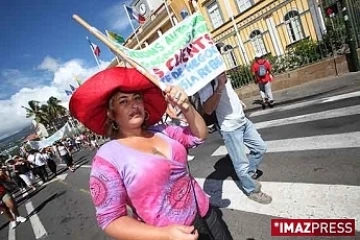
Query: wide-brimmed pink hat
{"type": "Point", "coordinates": [90, 101]}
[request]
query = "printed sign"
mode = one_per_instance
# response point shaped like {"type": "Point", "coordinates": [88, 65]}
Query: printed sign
{"type": "Point", "coordinates": [185, 56]}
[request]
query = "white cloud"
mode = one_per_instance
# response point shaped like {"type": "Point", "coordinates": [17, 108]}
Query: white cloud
{"type": "Point", "coordinates": [13, 115]}
{"type": "Point", "coordinates": [49, 64]}
{"type": "Point", "coordinates": [116, 17]}
{"type": "Point", "coordinates": [17, 79]}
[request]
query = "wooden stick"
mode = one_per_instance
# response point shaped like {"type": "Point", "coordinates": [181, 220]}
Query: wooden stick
{"type": "Point", "coordinates": [117, 51]}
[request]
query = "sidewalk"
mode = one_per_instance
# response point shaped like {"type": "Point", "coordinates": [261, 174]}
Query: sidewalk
{"type": "Point", "coordinates": [320, 88]}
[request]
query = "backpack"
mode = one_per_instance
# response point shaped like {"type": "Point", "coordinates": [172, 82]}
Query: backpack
{"type": "Point", "coordinates": [262, 70]}
{"type": "Point", "coordinates": [195, 101]}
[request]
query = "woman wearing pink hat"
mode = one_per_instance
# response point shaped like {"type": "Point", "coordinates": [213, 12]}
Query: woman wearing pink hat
{"type": "Point", "coordinates": [144, 166]}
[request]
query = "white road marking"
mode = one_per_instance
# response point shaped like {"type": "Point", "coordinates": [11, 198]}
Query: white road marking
{"type": "Point", "coordinates": [332, 141]}
{"type": "Point", "coordinates": [60, 177]}
{"type": "Point", "coordinates": [12, 234]}
{"type": "Point", "coordinates": [342, 112]}
{"type": "Point", "coordinates": [37, 226]}
{"type": "Point", "coordinates": [304, 104]}
{"type": "Point", "coordinates": [298, 200]}
{"type": "Point", "coordinates": [341, 97]}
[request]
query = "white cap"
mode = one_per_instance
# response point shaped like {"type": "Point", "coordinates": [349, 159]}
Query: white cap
{"type": "Point", "coordinates": [258, 55]}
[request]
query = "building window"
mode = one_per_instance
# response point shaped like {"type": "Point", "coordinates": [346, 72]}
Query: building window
{"type": "Point", "coordinates": [230, 59]}
{"type": "Point", "coordinates": [293, 26]}
{"type": "Point", "coordinates": [244, 4]}
{"type": "Point", "coordinates": [257, 41]}
{"type": "Point", "coordinates": [215, 15]}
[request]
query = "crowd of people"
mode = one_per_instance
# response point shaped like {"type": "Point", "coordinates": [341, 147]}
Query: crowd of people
{"type": "Point", "coordinates": [32, 168]}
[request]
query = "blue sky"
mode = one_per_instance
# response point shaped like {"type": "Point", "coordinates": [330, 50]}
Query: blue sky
{"type": "Point", "coordinates": [42, 46]}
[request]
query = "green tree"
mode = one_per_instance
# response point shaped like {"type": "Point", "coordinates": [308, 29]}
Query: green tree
{"type": "Point", "coordinates": [46, 114]}
{"type": "Point", "coordinates": [36, 112]}
{"type": "Point", "coordinates": [54, 107]}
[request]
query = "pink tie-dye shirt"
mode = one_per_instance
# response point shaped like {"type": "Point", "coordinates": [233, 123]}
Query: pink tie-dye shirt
{"type": "Point", "coordinates": [157, 189]}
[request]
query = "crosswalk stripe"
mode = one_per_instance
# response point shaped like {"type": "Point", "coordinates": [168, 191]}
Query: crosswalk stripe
{"type": "Point", "coordinates": [37, 226]}
{"type": "Point", "coordinates": [342, 112]}
{"type": "Point", "coordinates": [12, 234]}
{"type": "Point", "coordinates": [304, 104]}
{"type": "Point", "coordinates": [298, 200]}
{"type": "Point", "coordinates": [331, 141]}
{"type": "Point", "coordinates": [341, 97]}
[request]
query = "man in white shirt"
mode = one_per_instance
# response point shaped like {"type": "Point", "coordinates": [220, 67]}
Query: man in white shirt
{"type": "Point", "coordinates": [39, 163]}
{"type": "Point", "coordinates": [237, 132]}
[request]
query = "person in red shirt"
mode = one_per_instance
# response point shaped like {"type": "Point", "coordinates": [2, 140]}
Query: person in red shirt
{"type": "Point", "coordinates": [7, 203]}
{"type": "Point", "coordinates": [261, 69]}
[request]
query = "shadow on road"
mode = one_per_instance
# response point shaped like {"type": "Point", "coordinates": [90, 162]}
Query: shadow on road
{"type": "Point", "coordinates": [39, 208]}
{"type": "Point", "coordinates": [43, 204]}
{"type": "Point", "coordinates": [22, 199]}
{"type": "Point", "coordinates": [4, 225]}
{"type": "Point", "coordinates": [214, 182]}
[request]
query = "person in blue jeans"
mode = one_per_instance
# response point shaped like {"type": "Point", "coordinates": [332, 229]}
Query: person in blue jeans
{"type": "Point", "coordinates": [237, 132]}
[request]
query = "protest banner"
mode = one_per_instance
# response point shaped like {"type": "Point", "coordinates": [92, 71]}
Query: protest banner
{"type": "Point", "coordinates": [185, 55]}
{"type": "Point", "coordinates": [63, 132]}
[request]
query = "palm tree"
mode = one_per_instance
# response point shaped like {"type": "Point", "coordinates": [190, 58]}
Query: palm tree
{"type": "Point", "coordinates": [35, 111]}
{"type": "Point", "coordinates": [55, 109]}
{"type": "Point", "coordinates": [46, 114]}
{"type": "Point", "coordinates": [34, 108]}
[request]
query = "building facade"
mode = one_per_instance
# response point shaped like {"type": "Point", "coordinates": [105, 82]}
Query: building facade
{"type": "Point", "coordinates": [262, 27]}
{"type": "Point", "coordinates": [247, 27]}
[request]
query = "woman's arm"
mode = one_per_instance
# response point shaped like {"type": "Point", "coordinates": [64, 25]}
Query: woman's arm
{"type": "Point", "coordinates": [196, 123]}
{"type": "Point", "coordinates": [127, 228]}
{"type": "Point", "coordinates": [171, 112]}
{"type": "Point", "coordinates": [212, 102]}
{"type": "Point", "coordinates": [178, 97]}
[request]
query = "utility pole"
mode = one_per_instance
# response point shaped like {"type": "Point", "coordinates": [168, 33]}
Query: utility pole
{"type": "Point", "coordinates": [350, 37]}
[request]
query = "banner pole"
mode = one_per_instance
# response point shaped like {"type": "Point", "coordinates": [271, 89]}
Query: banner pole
{"type": "Point", "coordinates": [122, 55]}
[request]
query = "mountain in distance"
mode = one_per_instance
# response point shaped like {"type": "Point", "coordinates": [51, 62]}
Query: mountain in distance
{"type": "Point", "coordinates": [16, 138]}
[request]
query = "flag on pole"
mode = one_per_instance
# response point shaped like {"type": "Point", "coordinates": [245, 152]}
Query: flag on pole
{"type": "Point", "coordinates": [115, 37]}
{"type": "Point", "coordinates": [68, 93]}
{"type": "Point", "coordinates": [95, 48]}
{"type": "Point", "coordinates": [72, 88]}
{"type": "Point", "coordinates": [135, 15]}
{"type": "Point", "coordinates": [95, 51]}
{"type": "Point", "coordinates": [77, 80]}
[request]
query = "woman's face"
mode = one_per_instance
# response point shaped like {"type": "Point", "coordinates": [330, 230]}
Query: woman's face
{"type": "Point", "coordinates": [128, 110]}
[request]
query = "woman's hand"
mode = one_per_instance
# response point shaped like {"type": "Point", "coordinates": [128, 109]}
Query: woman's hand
{"type": "Point", "coordinates": [180, 232]}
{"type": "Point", "coordinates": [177, 97]}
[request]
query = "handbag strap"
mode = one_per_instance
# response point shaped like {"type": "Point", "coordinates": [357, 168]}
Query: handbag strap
{"type": "Point", "coordinates": [197, 205]}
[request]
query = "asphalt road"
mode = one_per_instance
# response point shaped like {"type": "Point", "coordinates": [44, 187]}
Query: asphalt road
{"type": "Point", "coordinates": [311, 170]}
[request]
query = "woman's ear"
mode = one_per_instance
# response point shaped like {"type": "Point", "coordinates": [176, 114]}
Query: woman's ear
{"type": "Point", "coordinates": [110, 114]}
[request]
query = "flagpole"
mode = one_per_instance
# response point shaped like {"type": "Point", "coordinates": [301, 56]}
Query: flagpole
{"type": "Point", "coordinates": [77, 80]}
{"type": "Point", "coordinates": [93, 52]}
{"type": "Point", "coordinates": [168, 12]}
{"type": "Point", "coordinates": [127, 14]}
{"type": "Point", "coordinates": [241, 46]}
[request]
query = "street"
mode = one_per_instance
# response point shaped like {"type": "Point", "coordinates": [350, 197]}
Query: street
{"type": "Point", "coordinates": [311, 170]}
